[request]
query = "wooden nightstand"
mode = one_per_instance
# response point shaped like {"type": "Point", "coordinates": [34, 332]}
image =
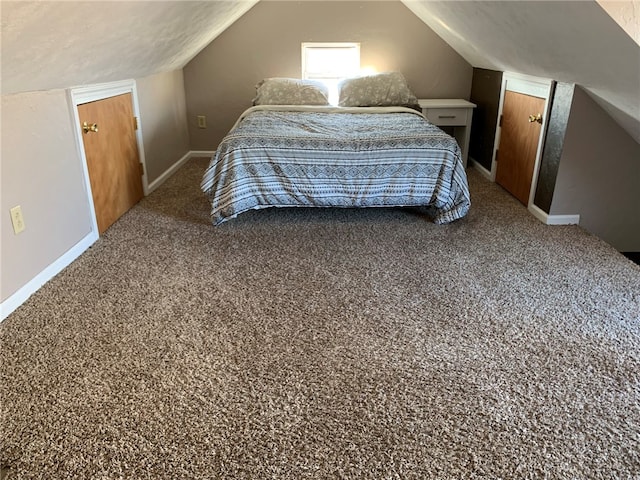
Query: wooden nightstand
{"type": "Point", "coordinates": [451, 112]}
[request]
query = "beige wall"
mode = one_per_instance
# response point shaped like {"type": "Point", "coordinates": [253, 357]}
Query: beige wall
{"type": "Point", "coordinates": [163, 116]}
{"type": "Point", "coordinates": [42, 172]}
{"type": "Point", "coordinates": [599, 175]}
{"type": "Point", "coordinates": [220, 81]}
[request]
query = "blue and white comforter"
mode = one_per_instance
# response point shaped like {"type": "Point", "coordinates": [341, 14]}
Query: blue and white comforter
{"type": "Point", "coordinates": [336, 157]}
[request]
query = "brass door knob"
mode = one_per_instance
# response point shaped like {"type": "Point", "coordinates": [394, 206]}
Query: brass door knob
{"type": "Point", "coordinates": [86, 128]}
{"type": "Point", "coordinates": [535, 118]}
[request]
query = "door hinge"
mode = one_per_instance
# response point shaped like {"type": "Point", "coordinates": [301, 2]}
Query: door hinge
{"type": "Point", "coordinates": [497, 155]}
{"type": "Point", "coordinates": [141, 169]}
{"type": "Point", "coordinates": [135, 123]}
{"type": "Point", "coordinates": [499, 123]}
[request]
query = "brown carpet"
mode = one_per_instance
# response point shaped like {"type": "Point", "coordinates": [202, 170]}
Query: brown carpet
{"type": "Point", "coordinates": [326, 344]}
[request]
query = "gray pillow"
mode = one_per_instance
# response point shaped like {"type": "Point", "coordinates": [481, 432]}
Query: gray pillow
{"type": "Point", "coordinates": [379, 90]}
{"type": "Point", "coordinates": [291, 91]}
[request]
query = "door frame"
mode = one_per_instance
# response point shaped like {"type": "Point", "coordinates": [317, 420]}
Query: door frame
{"type": "Point", "coordinates": [528, 85]}
{"type": "Point", "coordinates": [91, 93]}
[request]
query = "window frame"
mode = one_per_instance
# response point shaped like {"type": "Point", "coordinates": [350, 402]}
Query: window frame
{"type": "Point", "coordinates": [327, 45]}
{"type": "Point", "coordinates": [331, 81]}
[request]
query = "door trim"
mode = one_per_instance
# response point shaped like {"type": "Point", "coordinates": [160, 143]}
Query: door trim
{"type": "Point", "coordinates": [528, 85]}
{"type": "Point", "coordinates": [91, 93]}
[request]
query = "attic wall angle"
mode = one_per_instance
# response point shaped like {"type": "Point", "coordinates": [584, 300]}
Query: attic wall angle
{"type": "Point", "coordinates": [626, 14]}
{"type": "Point", "coordinates": [52, 45]}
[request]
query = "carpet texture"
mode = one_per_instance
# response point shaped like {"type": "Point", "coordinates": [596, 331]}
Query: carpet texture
{"type": "Point", "coordinates": [327, 344]}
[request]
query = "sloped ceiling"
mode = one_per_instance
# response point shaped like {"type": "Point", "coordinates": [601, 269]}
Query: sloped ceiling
{"type": "Point", "coordinates": [569, 41]}
{"type": "Point", "coordinates": [59, 44]}
{"type": "Point", "coordinates": [626, 14]}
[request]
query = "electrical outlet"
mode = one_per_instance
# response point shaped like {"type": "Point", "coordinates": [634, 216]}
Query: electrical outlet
{"type": "Point", "coordinates": [202, 121]}
{"type": "Point", "coordinates": [17, 220]}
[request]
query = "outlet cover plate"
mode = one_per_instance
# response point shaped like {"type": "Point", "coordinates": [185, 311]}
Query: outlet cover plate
{"type": "Point", "coordinates": [17, 220]}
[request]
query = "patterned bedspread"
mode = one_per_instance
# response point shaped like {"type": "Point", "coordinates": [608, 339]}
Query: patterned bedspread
{"type": "Point", "coordinates": [336, 157]}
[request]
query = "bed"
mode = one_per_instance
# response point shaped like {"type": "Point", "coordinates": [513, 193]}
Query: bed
{"type": "Point", "coordinates": [315, 155]}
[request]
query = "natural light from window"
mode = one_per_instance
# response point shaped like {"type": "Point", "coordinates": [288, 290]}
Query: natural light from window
{"type": "Point", "coordinates": [330, 63]}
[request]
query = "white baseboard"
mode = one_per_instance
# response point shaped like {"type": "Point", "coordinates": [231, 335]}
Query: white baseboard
{"type": "Point", "coordinates": [202, 153]}
{"type": "Point", "coordinates": [536, 211]}
{"type": "Point", "coordinates": [483, 171]}
{"type": "Point", "coordinates": [547, 219]}
{"type": "Point", "coordinates": [21, 296]}
{"type": "Point", "coordinates": [170, 171]}
{"type": "Point", "coordinates": [563, 220]}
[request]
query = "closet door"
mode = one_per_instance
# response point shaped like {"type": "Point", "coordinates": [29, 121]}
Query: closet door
{"type": "Point", "coordinates": [519, 140]}
{"type": "Point", "coordinates": [523, 115]}
{"type": "Point", "coordinates": [111, 151]}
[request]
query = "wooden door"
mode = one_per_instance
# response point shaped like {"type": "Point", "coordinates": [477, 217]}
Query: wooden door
{"type": "Point", "coordinates": [115, 171]}
{"type": "Point", "coordinates": [518, 143]}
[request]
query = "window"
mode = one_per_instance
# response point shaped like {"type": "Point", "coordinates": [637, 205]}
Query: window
{"type": "Point", "coordinates": [330, 63]}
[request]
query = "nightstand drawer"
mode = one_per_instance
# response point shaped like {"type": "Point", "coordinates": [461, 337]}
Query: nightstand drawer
{"type": "Point", "coordinates": [451, 112]}
{"type": "Point", "coordinates": [446, 116]}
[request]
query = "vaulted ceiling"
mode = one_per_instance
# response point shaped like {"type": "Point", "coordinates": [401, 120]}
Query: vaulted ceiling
{"type": "Point", "coordinates": [569, 41]}
{"type": "Point", "coordinates": [48, 44]}
{"type": "Point", "coordinates": [59, 44]}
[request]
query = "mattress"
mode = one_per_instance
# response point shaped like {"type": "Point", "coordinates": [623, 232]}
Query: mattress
{"type": "Point", "coordinates": [283, 156]}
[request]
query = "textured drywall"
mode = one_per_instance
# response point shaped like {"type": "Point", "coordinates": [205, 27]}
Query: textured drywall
{"type": "Point", "coordinates": [626, 14]}
{"type": "Point", "coordinates": [57, 44]}
{"type": "Point", "coordinates": [567, 41]}
{"type": "Point", "coordinates": [266, 42]}
{"type": "Point", "coordinates": [48, 45]}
